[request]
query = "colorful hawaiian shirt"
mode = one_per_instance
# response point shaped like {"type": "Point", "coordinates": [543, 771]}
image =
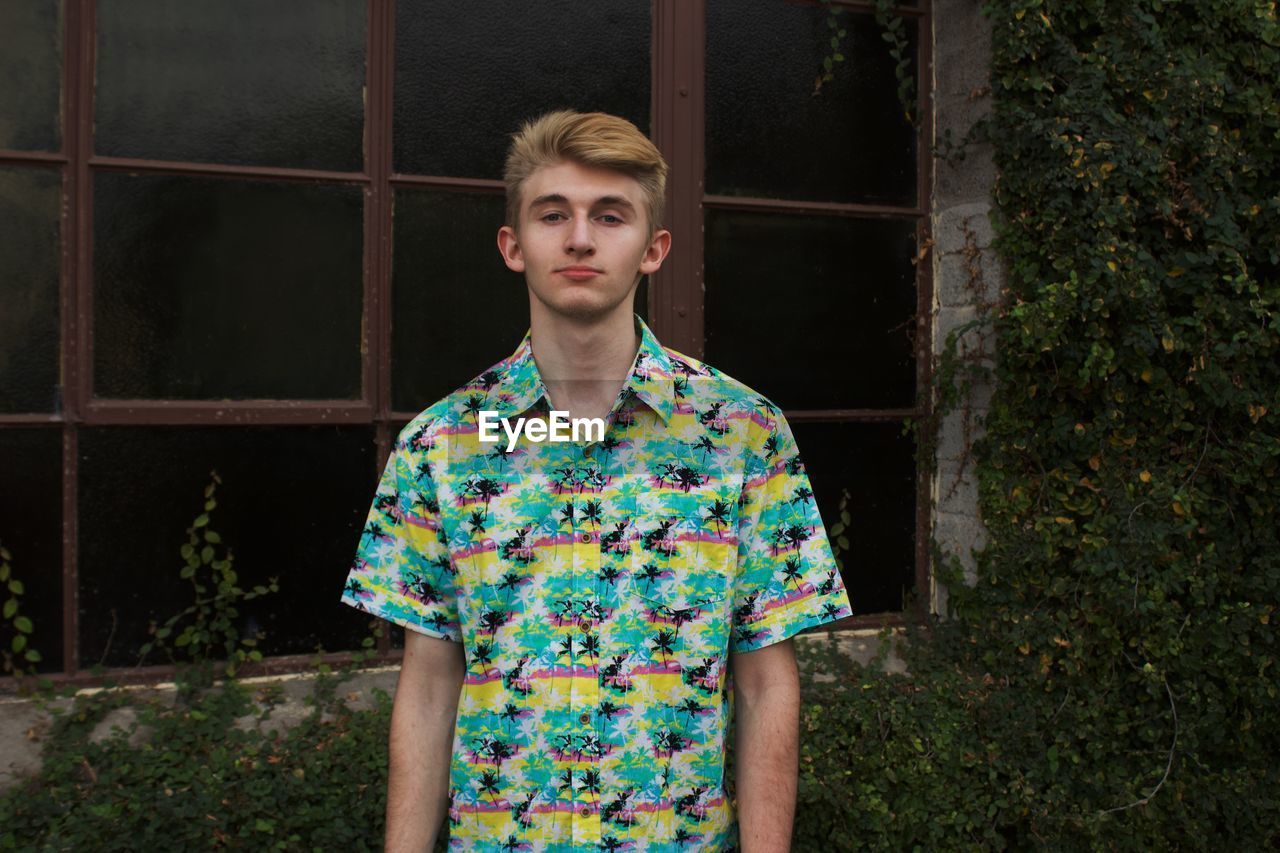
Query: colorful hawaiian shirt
{"type": "Point", "coordinates": [600, 590]}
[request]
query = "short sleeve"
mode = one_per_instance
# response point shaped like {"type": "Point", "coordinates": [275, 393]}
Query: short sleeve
{"type": "Point", "coordinates": [787, 576]}
{"type": "Point", "coordinates": [402, 571]}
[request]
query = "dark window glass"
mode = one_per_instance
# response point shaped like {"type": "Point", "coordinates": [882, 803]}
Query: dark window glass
{"type": "Point", "coordinates": [29, 249]}
{"type": "Point", "coordinates": [813, 312]}
{"type": "Point", "coordinates": [31, 529]}
{"type": "Point", "coordinates": [291, 505]}
{"type": "Point", "coordinates": [875, 464]}
{"type": "Point", "coordinates": [768, 134]}
{"type": "Point", "coordinates": [30, 74]}
{"type": "Point", "coordinates": [237, 81]}
{"type": "Point", "coordinates": [456, 307]}
{"type": "Point", "coordinates": [210, 288]}
{"type": "Point", "coordinates": [468, 74]}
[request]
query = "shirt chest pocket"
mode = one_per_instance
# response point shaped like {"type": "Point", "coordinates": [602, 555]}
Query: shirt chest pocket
{"type": "Point", "coordinates": [680, 559]}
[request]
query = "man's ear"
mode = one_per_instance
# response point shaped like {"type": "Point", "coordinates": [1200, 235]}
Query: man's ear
{"type": "Point", "coordinates": [659, 245]}
{"type": "Point", "coordinates": [509, 246]}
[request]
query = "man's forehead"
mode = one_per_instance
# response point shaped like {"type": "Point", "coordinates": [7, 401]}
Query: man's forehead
{"type": "Point", "coordinates": [577, 184]}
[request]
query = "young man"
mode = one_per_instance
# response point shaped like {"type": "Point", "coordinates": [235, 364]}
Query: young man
{"type": "Point", "coordinates": [583, 615]}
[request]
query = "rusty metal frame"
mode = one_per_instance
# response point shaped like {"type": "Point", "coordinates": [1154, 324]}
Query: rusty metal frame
{"type": "Point", "coordinates": [677, 111]}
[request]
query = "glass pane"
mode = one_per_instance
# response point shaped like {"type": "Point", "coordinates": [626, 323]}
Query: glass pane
{"type": "Point", "coordinates": [831, 301]}
{"type": "Point", "coordinates": [31, 529]}
{"type": "Point", "coordinates": [29, 305]}
{"type": "Point", "coordinates": [237, 81]}
{"type": "Point", "coordinates": [468, 74]}
{"type": "Point", "coordinates": [30, 75]}
{"type": "Point", "coordinates": [457, 308]}
{"type": "Point", "coordinates": [875, 463]}
{"type": "Point", "coordinates": [768, 134]}
{"type": "Point", "coordinates": [210, 288]}
{"type": "Point", "coordinates": [291, 505]}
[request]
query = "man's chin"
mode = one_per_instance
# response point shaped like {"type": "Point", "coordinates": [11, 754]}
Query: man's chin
{"type": "Point", "coordinates": [582, 308]}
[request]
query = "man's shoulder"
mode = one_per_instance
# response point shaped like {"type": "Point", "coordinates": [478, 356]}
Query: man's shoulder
{"type": "Point", "coordinates": [703, 386]}
{"type": "Point", "coordinates": [451, 411]}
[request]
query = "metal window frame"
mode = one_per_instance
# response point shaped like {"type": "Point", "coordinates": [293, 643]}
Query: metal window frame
{"type": "Point", "coordinates": [677, 117]}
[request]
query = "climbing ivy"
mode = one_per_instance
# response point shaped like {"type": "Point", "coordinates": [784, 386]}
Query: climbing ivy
{"type": "Point", "coordinates": [1128, 475]}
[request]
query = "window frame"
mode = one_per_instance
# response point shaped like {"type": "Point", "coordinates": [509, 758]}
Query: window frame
{"type": "Point", "coordinates": [676, 311]}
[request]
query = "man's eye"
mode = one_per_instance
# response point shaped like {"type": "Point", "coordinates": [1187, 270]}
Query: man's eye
{"type": "Point", "coordinates": [610, 218]}
{"type": "Point", "coordinates": [552, 217]}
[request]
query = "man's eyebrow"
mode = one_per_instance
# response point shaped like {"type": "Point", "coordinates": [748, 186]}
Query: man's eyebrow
{"type": "Point", "coordinates": [550, 198]}
{"type": "Point", "coordinates": [603, 201]}
{"type": "Point", "coordinates": [614, 201]}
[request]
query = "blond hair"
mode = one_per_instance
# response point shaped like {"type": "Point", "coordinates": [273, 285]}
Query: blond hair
{"type": "Point", "coordinates": [589, 139]}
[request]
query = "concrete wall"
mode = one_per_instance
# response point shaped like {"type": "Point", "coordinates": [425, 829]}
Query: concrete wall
{"type": "Point", "coordinates": [967, 276]}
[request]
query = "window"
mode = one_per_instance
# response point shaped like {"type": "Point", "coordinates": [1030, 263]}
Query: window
{"type": "Point", "coordinates": [239, 239]}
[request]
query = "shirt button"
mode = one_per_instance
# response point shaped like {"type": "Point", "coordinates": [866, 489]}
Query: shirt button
{"type": "Point", "coordinates": [586, 537]}
{"type": "Point", "coordinates": [586, 812]}
{"type": "Point", "coordinates": [584, 719]}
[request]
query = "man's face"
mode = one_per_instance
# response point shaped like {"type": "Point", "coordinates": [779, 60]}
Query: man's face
{"type": "Point", "coordinates": [582, 240]}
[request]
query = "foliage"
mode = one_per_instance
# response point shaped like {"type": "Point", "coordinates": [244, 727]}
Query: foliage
{"type": "Point", "coordinates": [1109, 681]}
{"type": "Point", "coordinates": [212, 628]}
{"type": "Point", "coordinates": [893, 31]}
{"type": "Point", "coordinates": [18, 656]}
{"type": "Point", "coordinates": [211, 772]}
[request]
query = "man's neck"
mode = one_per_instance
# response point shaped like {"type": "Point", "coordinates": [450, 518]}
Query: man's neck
{"type": "Point", "coordinates": [583, 365]}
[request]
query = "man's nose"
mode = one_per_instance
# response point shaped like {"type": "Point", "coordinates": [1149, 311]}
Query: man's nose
{"type": "Point", "coordinates": [579, 239]}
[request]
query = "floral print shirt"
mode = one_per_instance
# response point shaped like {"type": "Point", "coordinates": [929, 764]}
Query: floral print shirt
{"type": "Point", "coordinates": [600, 591]}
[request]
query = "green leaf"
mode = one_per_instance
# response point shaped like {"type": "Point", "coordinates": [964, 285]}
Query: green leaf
{"type": "Point", "coordinates": [33, 656]}
{"type": "Point", "coordinates": [186, 551]}
{"type": "Point", "coordinates": [206, 554]}
{"type": "Point", "coordinates": [201, 520]}
{"type": "Point", "coordinates": [19, 642]}
{"type": "Point", "coordinates": [10, 608]}
{"type": "Point", "coordinates": [16, 587]}
{"type": "Point", "coordinates": [23, 624]}
{"type": "Point", "coordinates": [212, 537]}
{"type": "Point", "coordinates": [826, 63]}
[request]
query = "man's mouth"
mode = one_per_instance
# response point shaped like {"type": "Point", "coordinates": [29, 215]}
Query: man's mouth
{"type": "Point", "coordinates": [579, 273]}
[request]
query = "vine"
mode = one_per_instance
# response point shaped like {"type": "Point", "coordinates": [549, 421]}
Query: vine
{"type": "Point", "coordinates": [208, 626]}
{"type": "Point", "coordinates": [19, 657]}
{"type": "Point", "coordinates": [893, 31]}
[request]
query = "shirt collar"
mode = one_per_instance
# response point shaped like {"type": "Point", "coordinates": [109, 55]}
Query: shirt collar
{"type": "Point", "coordinates": [651, 380]}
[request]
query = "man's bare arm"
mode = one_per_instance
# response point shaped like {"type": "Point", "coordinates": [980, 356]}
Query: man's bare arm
{"type": "Point", "coordinates": [422, 718]}
{"type": "Point", "coordinates": [766, 694]}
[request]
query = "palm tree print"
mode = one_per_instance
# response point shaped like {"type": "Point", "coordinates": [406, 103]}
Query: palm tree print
{"type": "Point", "coordinates": [791, 570]}
{"type": "Point", "coordinates": [648, 574]}
{"type": "Point", "coordinates": [490, 784]}
{"type": "Point", "coordinates": [482, 654]}
{"type": "Point", "coordinates": [483, 488]}
{"type": "Point", "coordinates": [688, 478]}
{"type": "Point", "coordinates": [684, 836]}
{"type": "Point", "coordinates": [660, 538]}
{"type": "Point", "coordinates": [462, 542]}
{"type": "Point", "coordinates": [718, 514]}
{"type": "Point", "coordinates": [592, 513]}
{"type": "Point", "coordinates": [664, 643]}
